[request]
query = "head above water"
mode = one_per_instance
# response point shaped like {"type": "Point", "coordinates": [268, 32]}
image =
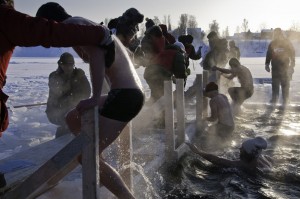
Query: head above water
{"type": "Point", "coordinates": [252, 148]}
{"type": "Point", "coordinates": [53, 11]}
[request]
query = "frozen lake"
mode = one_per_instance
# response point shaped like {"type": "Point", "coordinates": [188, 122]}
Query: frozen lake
{"type": "Point", "coordinates": [27, 80]}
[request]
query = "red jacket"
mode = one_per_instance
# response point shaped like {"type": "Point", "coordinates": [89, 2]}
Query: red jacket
{"type": "Point", "coordinates": [18, 29]}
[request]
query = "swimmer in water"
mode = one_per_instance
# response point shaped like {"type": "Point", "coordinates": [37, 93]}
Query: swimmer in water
{"type": "Point", "coordinates": [251, 158]}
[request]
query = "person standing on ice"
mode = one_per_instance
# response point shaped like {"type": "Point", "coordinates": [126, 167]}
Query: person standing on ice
{"type": "Point", "coordinates": [18, 29]}
{"type": "Point", "coordinates": [220, 113]}
{"type": "Point", "coordinates": [234, 51]}
{"type": "Point", "coordinates": [238, 94]}
{"type": "Point", "coordinates": [116, 109]}
{"type": "Point", "coordinates": [281, 55]}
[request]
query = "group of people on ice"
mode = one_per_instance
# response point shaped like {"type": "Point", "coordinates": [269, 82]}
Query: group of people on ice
{"type": "Point", "coordinates": [113, 52]}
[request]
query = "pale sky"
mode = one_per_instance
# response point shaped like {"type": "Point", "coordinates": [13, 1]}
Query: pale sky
{"type": "Point", "coordinates": [259, 13]}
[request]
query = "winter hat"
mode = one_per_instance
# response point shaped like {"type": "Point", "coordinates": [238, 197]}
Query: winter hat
{"type": "Point", "coordinates": [128, 23]}
{"type": "Point", "coordinates": [211, 86]}
{"type": "Point", "coordinates": [149, 23]}
{"type": "Point", "coordinates": [254, 146]}
{"type": "Point", "coordinates": [132, 16]}
{"type": "Point", "coordinates": [66, 58]}
{"type": "Point", "coordinates": [53, 11]}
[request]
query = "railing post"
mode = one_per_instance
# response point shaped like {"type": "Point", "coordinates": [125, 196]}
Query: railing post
{"type": "Point", "coordinates": [169, 121]}
{"type": "Point", "coordinates": [90, 155]}
{"type": "Point", "coordinates": [180, 111]}
{"type": "Point", "coordinates": [199, 102]}
{"type": "Point", "coordinates": [205, 100]}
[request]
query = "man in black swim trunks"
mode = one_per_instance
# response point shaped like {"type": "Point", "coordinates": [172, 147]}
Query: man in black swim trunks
{"type": "Point", "coordinates": [123, 102]}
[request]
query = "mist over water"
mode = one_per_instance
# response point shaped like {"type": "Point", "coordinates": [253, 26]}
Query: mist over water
{"type": "Point", "coordinates": [192, 177]}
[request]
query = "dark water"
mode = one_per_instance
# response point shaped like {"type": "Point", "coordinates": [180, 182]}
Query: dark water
{"type": "Point", "coordinates": [194, 177]}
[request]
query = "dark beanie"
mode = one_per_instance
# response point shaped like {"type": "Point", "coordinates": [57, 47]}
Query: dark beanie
{"type": "Point", "coordinates": [211, 86]}
{"type": "Point", "coordinates": [52, 11]}
{"type": "Point", "coordinates": [149, 23]}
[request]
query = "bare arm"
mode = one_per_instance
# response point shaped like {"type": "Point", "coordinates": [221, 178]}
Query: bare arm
{"type": "Point", "coordinates": [222, 70]}
{"type": "Point", "coordinates": [214, 159]}
{"type": "Point", "coordinates": [97, 73]}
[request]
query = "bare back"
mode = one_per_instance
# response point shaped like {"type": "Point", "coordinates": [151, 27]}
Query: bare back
{"type": "Point", "coordinates": [121, 73]}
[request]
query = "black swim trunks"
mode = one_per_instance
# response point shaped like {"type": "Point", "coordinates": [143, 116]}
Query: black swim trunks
{"type": "Point", "coordinates": [123, 104]}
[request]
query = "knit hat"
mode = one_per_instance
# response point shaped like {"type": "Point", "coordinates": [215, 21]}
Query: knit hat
{"type": "Point", "coordinates": [66, 58]}
{"type": "Point", "coordinates": [211, 86]}
{"type": "Point", "coordinates": [149, 23]}
{"type": "Point", "coordinates": [254, 146]}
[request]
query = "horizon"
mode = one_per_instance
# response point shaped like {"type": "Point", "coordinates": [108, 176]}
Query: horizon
{"type": "Point", "coordinates": [260, 14]}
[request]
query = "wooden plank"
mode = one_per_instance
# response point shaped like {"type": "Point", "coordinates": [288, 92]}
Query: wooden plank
{"type": "Point", "coordinates": [169, 121]}
{"type": "Point", "coordinates": [56, 168]}
{"type": "Point", "coordinates": [37, 155]}
{"type": "Point", "coordinates": [199, 102]}
{"type": "Point", "coordinates": [205, 100]}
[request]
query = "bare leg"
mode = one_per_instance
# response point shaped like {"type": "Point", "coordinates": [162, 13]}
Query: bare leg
{"type": "Point", "coordinates": [113, 181]}
{"type": "Point", "coordinates": [109, 130]}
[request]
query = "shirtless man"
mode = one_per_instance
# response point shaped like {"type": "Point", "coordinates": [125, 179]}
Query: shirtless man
{"type": "Point", "coordinates": [123, 102]}
{"type": "Point", "coordinates": [251, 159]}
{"type": "Point", "coordinates": [238, 94]}
{"type": "Point", "coordinates": [220, 112]}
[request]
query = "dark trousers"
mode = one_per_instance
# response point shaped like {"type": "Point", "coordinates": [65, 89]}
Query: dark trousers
{"type": "Point", "coordinates": [280, 78]}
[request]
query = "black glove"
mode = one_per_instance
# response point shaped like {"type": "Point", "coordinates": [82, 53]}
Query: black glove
{"type": "Point", "coordinates": [108, 44]}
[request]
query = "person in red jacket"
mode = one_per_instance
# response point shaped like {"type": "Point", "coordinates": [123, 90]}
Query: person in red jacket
{"type": "Point", "coordinates": [19, 29]}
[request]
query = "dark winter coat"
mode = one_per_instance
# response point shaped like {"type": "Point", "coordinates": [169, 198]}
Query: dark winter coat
{"type": "Point", "coordinates": [65, 93]}
{"type": "Point", "coordinates": [281, 54]}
